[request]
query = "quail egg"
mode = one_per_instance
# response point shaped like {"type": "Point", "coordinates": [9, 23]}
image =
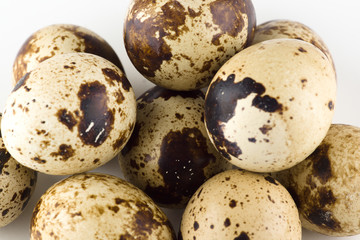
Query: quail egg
{"type": "Point", "coordinates": [72, 113]}
{"type": "Point", "coordinates": [325, 186]}
{"type": "Point", "coordinates": [275, 29]}
{"type": "Point", "coordinates": [271, 105]}
{"type": "Point", "coordinates": [169, 154]}
{"type": "Point", "coordinates": [17, 184]}
{"type": "Point", "coordinates": [241, 205]}
{"type": "Point", "coordinates": [180, 45]}
{"type": "Point", "coordinates": [58, 39]}
{"type": "Point", "coordinates": [98, 206]}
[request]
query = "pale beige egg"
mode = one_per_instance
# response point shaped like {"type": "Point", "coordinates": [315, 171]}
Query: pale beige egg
{"type": "Point", "coordinates": [271, 105]}
{"type": "Point", "coordinates": [58, 39]}
{"type": "Point", "coordinates": [98, 206]}
{"type": "Point", "coordinates": [180, 45]}
{"type": "Point", "coordinates": [72, 113]}
{"type": "Point", "coordinates": [237, 204]}
{"type": "Point", "coordinates": [169, 154]}
{"type": "Point", "coordinates": [325, 186]}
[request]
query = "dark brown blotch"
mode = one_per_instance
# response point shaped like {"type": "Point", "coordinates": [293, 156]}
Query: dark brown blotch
{"type": "Point", "coordinates": [321, 163]}
{"type": "Point", "coordinates": [67, 118]}
{"type": "Point", "coordinates": [64, 152]}
{"type": "Point", "coordinates": [324, 219]}
{"type": "Point", "coordinates": [242, 236]}
{"type": "Point", "coordinates": [271, 180]}
{"type": "Point", "coordinates": [331, 105]}
{"type": "Point", "coordinates": [144, 221]}
{"type": "Point", "coordinates": [196, 225]}
{"type": "Point", "coordinates": [97, 119]}
{"type": "Point", "coordinates": [183, 158]}
{"type": "Point", "coordinates": [158, 92]}
{"type": "Point", "coordinates": [227, 222]}
{"type": "Point", "coordinates": [233, 203]}
{"type": "Point", "coordinates": [4, 158]}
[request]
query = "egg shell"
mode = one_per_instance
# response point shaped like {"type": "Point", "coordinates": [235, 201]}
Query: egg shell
{"type": "Point", "coordinates": [17, 184]}
{"type": "Point", "coordinates": [237, 204]}
{"type": "Point", "coordinates": [276, 29]}
{"type": "Point", "coordinates": [59, 39]}
{"type": "Point", "coordinates": [169, 154]}
{"type": "Point", "coordinates": [325, 186]}
{"type": "Point", "coordinates": [98, 206]}
{"type": "Point", "coordinates": [72, 113]}
{"type": "Point", "coordinates": [180, 45]}
{"type": "Point", "coordinates": [271, 105]}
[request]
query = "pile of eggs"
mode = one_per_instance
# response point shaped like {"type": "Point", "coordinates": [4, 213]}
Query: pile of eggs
{"type": "Point", "coordinates": [236, 131]}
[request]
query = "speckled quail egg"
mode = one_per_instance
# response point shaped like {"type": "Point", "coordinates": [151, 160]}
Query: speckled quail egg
{"type": "Point", "coordinates": [58, 39]}
{"type": "Point", "coordinates": [271, 105]}
{"type": "Point", "coordinates": [72, 113]}
{"type": "Point", "coordinates": [241, 205]}
{"type": "Point", "coordinates": [180, 45]}
{"type": "Point", "coordinates": [325, 186]}
{"type": "Point", "coordinates": [275, 29]}
{"type": "Point", "coordinates": [98, 206]}
{"type": "Point", "coordinates": [169, 154]}
{"type": "Point", "coordinates": [17, 183]}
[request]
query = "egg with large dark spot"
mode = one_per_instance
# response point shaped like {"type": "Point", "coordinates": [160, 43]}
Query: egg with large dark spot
{"type": "Point", "coordinates": [72, 113]}
{"type": "Point", "coordinates": [59, 39]}
{"type": "Point", "coordinates": [180, 45]}
{"type": "Point", "coordinates": [276, 29]}
{"type": "Point", "coordinates": [17, 184]}
{"type": "Point", "coordinates": [270, 106]}
{"type": "Point", "coordinates": [98, 206]}
{"type": "Point", "coordinates": [325, 186]}
{"type": "Point", "coordinates": [241, 205]}
{"type": "Point", "coordinates": [169, 154]}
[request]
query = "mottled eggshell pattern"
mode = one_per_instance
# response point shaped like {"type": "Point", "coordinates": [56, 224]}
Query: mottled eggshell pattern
{"type": "Point", "coordinates": [276, 29]}
{"type": "Point", "coordinates": [98, 206]}
{"type": "Point", "coordinates": [58, 39]}
{"type": "Point", "coordinates": [169, 154]}
{"type": "Point", "coordinates": [72, 113]}
{"type": "Point", "coordinates": [325, 186]}
{"type": "Point", "coordinates": [241, 205]}
{"type": "Point", "coordinates": [17, 184]}
{"type": "Point", "coordinates": [180, 45]}
{"type": "Point", "coordinates": [271, 105]}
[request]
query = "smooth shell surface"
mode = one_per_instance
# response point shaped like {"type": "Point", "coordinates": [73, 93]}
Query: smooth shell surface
{"type": "Point", "coordinates": [169, 154]}
{"type": "Point", "coordinates": [241, 205]}
{"type": "Point", "coordinates": [58, 39]}
{"type": "Point", "coordinates": [180, 45]}
{"type": "Point", "coordinates": [325, 186]}
{"type": "Point", "coordinates": [17, 184]}
{"type": "Point", "coordinates": [276, 29]}
{"type": "Point", "coordinates": [72, 113]}
{"type": "Point", "coordinates": [98, 206]}
{"type": "Point", "coordinates": [271, 105]}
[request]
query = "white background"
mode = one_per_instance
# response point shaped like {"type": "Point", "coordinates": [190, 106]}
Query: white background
{"type": "Point", "coordinates": [337, 22]}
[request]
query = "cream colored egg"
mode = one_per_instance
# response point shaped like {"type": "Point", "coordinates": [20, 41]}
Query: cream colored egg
{"type": "Point", "coordinates": [325, 186]}
{"type": "Point", "coordinates": [98, 206]}
{"type": "Point", "coordinates": [58, 39]}
{"type": "Point", "coordinates": [241, 205]}
{"type": "Point", "coordinates": [271, 105]}
{"type": "Point", "coordinates": [72, 113]}
{"type": "Point", "coordinates": [17, 184]}
{"type": "Point", "coordinates": [180, 45]}
{"type": "Point", "coordinates": [289, 29]}
{"type": "Point", "coordinates": [169, 154]}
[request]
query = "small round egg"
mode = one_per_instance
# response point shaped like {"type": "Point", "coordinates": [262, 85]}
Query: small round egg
{"type": "Point", "coordinates": [58, 39]}
{"type": "Point", "coordinates": [17, 184]}
{"type": "Point", "coordinates": [241, 205]}
{"type": "Point", "coordinates": [71, 114]}
{"type": "Point", "coordinates": [180, 45]}
{"type": "Point", "coordinates": [271, 105]}
{"type": "Point", "coordinates": [98, 206]}
{"type": "Point", "coordinates": [325, 186]}
{"type": "Point", "coordinates": [276, 29]}
{"type": "Point", "coordinates": [169, 154]}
